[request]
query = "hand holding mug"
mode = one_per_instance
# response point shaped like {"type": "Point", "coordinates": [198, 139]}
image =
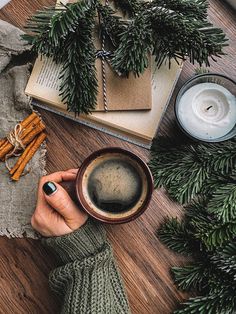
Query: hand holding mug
{"type": "Point", "coordinates": [56, 214]}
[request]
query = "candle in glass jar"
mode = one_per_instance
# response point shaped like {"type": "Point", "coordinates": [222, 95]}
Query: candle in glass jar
{"type": "Point", "coordinates": [207, 111]}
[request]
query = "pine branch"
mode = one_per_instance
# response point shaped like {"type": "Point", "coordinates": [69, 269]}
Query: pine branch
{"type": "Point", "coordinates": [210, 277]}
{"type": "Point", "coordinates": [111, 24]}
{"type": "Point", "coordinates": [79, 86]}
{"type": "Point", "coordinates": [215, 303]}
{"type": "Point", "coordinates": [207, 229]}
{"type": "Point", "coordinates": [128, 7]}
{"type": "Point", "coordinates": [225, 259]}
{"type": "Point", "coordinates": [209, 222]}
{"type": "Point", "coordinates": [216, 235]}
{"type": "Point", "coordinates": [223, 203]}
{"type": "Point", "coordinates": [51, 27]}
{"type": "Point", "coordinates": [39, 25]}
{"type": "Point", "coordinates": [180, 170]}
{"type": "Point", "coordinates": [213, 183]}
{"type": "Point", "coordinates": [193, 277]}
{"type": "Point", "coordinates": [196, 9]}
{"type": "Point", "coordinates": [40, 22]}
{"type": "Point", "coordinates": [220, 157]}
{"type": "Point", "coordinates": [196, 39]}
{"type": "Point", "coordinates": [192, 182]}
{"type": "Point", "coordinates": [66, 34]}
{"type": "Point", "coordinates": [135, 45]}
{"type": "Point", "coordinates": [199, 233]}
{"type": "Point", "coordinates": [188, 171]}
{"type": "Point", "coordinates": [177, 237]}
{"type": "Point", "coordinates": [199, 221]}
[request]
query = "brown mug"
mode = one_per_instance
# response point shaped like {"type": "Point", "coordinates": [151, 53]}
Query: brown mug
{"type": "Point", "coordinates": [113, 185]}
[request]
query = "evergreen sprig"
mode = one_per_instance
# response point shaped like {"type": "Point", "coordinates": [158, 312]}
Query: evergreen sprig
{"type": "Point", "coordinates": [208, 230]}
{"type": "Point", "coordinates": [177, 236]}
{"type": "Point", "coordinates": [181, 171]}
{"type": "Point", "coordinates": [50, 27]}
{"type": "Point", "coordinates": [187, 170]}
{"type": "Point", "coordinates": [225, 259]}
{"type": "Point", "coordinates": [166, 29]}
{"type": "Point", "coordinates": [194, 276]}
{"type": "Point", "coordinates": [132, 55]}
{"type": "Point", "coordinates": [111, 24]}
{"type": "Point", "coordinates": [128, 7]}
{"type": "Point", "coordinates": [79, 85]}
{"type": "Point", "coordinates": [222, 203]}
{"type": "Point", "coordinates": [220, 302]}
{"type": "Point", "coordinates": [196, 9]}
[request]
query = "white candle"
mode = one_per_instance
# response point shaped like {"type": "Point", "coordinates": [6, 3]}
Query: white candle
{"type": "Point", "coordinates": [207, 111]}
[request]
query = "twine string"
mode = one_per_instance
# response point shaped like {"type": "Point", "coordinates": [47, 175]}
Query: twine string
{"type": "Point", "coordinates": [104, 55]}
{"type": "Point", "coordinates": [14, 138]}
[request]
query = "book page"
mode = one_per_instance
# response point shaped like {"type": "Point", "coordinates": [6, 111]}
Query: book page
{"type": "Point", "coordinates": [44, 82]}
{"type": "Point", "coordinates": [49, 75]}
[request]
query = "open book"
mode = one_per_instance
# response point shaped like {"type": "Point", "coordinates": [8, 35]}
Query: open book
{"type": "Point", "coordinates": [138, 127]}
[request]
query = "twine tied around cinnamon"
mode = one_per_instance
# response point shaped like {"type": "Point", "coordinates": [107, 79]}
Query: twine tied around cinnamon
{"type": "Point", "coordinates": [14, 138]}
{"type": "Point", "coordinates": [24, 141]}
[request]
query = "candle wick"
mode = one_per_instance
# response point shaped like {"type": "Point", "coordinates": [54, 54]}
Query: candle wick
{"type": "Point", "coordinates": [208, 107]}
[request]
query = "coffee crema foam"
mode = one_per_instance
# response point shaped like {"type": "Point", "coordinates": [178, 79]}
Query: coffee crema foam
{"type": "Point", "coordinates": [114, 185]}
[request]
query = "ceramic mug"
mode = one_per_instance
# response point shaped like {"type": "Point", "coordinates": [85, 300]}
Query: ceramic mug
{"type": "Point", "coordinates": [113, 185]}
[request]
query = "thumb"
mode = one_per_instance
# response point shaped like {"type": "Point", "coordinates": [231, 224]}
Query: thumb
{"type": "Point", "coordinates": [57, 197]}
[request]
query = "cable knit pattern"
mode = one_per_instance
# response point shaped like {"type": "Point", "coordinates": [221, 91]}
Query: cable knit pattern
{"type": "Point", "coordinates": [88, 280]}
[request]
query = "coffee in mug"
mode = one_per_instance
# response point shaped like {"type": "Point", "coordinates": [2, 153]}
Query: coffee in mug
{"type": "Point", "coordinates": [114, 185]}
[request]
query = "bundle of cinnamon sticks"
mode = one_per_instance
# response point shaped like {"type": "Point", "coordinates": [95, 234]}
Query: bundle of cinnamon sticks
{"type": "Point", "coordinates": [25, 139]}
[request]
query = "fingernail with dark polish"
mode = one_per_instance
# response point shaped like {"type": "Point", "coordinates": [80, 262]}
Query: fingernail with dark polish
{"type": "Point", "coordinates": [49, 188]}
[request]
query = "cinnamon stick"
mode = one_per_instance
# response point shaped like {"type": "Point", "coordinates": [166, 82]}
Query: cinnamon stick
{"type": "Point", "coordinates": [28, 119]}
{"type": "Point", "coordinates": [30, 126]}
{"type": "Point", "coordinates": [3, 147]}
{"type": "Point", "coordinates": [27, 155]}
{"type": "Point", "coordinates": [3, 143]}
{"type": "Point", "coordinates": [40, 127]}
{"type": "Point", "coordinates": [28, 138]}
{"type": "Point", "coordinates": [21, 158]}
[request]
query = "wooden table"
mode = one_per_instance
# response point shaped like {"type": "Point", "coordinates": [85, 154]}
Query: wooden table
{"type": "Point", "coordinates": [143, 260]}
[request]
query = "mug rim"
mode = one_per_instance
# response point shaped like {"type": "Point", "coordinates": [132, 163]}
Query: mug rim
{"type": "Point", "coordinates": [81, 198]}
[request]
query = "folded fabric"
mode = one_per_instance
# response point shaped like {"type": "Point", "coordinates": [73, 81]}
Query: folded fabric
{"type": "Point", "coordinates": [17, 199]}
{"type": "Point", "coordinates": [3, 3]}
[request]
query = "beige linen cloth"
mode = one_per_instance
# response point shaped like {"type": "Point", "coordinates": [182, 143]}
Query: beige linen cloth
{"type": "Point", "coordinates": [17, 199]}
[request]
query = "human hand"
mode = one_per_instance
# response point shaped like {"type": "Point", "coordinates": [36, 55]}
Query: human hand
{"type": "Point", "coordinates": [56, 214]}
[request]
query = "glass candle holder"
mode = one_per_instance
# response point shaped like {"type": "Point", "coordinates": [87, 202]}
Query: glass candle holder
{"type": "Point", "coordinates": [205, 108]}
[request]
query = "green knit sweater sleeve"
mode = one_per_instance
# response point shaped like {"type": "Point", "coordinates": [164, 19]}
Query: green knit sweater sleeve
{"type": "Point", "coordinates": [88, 280]}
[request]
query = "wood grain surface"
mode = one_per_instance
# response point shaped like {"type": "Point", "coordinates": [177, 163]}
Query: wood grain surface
{"type": "Point", "coordinates": [143, 260]}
